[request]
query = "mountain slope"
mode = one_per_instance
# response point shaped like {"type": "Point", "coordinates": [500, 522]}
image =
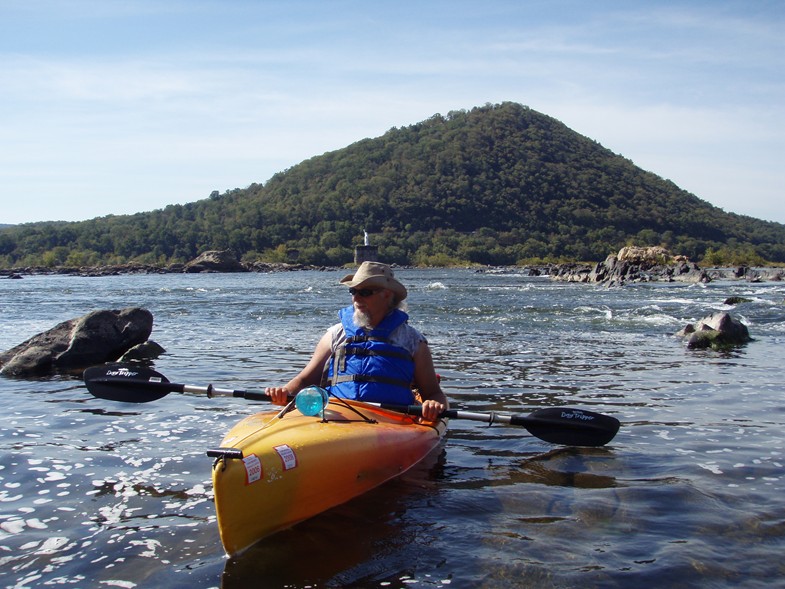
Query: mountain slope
{"type": "Point", "coordinates": [497, 184]}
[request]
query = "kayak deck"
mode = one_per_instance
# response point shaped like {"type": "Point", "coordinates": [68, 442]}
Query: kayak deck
{"type": "Point", "coordinates": [271, 473]}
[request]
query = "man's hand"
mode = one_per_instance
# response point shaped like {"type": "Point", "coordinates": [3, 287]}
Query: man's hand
{"type": "Point", "coordinates": [278, 395]}
{"type": "Point", "coordinates": [431, 410]}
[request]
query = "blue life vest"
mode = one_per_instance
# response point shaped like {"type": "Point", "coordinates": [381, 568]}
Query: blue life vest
{"type": "Point", "coordinates": [367, 367]}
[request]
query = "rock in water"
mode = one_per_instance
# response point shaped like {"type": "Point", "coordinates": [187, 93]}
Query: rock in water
{"type": "Point", "coordinates": [736, 300]}
{"type": "Point", "coordinates": [100, 336]}
{"type": "Point", "coordinates": [149, 350]}
{"type": "Point", "coordinates": [716, 331]}
{"type": "Point", "coordinates": [215, 261]}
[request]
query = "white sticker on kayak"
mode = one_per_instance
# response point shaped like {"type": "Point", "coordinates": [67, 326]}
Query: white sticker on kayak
{"type": "Point", "coordinates": [253, 469]}
{"type": "Point", "coordinates": [288, 457]}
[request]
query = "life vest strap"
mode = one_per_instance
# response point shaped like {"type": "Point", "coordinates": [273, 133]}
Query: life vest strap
{"type": "Point", "coordinates": [353, 351]}
{"type": "Point", "coordinates": [358, 339]}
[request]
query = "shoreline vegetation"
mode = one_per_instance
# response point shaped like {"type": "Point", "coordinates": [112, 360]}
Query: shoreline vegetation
{"type": "Point", "coordinates": [630, 264]}
{"type": "Point", "coordinates": [610, 272]}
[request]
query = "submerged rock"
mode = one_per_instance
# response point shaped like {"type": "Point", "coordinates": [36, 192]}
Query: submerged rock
{"type": "Point", "coordinates": [736, 300]}
{"type": "Point", "coordinates": [100, 336]}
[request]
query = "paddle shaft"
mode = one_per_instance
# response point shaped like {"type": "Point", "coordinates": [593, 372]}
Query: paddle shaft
{"type": "Point", "coordinates": [567, 426]}
{"type": "Point", "coordinates": [558, 425]}
{"type": "Point", "coordinates": [570, 417]}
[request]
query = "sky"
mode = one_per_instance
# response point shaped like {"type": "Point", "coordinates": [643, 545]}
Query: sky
{"type": "Point", "coordinates": [124, 106]}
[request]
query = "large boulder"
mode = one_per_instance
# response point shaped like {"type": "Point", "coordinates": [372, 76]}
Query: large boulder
{"type": "Point", "coordinates": [719, 330]}
{"type": "Point", "coordinates": [654, 255]}
{"type": "Point", "coordinates": [215, 261]}
{"type": "Point", "coordinates": [100, 336]}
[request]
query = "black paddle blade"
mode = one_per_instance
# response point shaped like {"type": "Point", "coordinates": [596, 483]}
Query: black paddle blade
{"type": "Point", "coordinates": [570, 427]}
{"type": "Point", "coordinates": [126, 383]}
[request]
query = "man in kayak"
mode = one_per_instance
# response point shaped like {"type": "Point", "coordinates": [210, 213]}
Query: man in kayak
{"type": "Point", "coordinates": [373, 354]}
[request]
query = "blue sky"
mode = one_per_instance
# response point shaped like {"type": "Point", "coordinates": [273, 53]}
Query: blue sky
{"type": "Point", "coordinates": [116, 107]}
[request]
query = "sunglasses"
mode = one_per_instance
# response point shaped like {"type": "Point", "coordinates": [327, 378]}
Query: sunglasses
{"type": "Point", "coordinates": [363, 292]}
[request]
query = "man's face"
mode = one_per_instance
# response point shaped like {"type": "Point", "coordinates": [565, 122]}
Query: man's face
{"type": "Point", "coordinates": [370, 305]}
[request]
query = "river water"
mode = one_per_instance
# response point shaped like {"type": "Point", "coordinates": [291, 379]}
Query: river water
{"type": "Point", "coordinates": [96, 493]}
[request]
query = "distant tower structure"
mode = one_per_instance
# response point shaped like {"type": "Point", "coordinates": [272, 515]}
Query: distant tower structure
{"type": "Point", "coordinates": [366, 252]}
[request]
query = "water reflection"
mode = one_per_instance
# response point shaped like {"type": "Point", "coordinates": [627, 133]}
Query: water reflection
{"type": "Point", "coordinates": [566, 467]}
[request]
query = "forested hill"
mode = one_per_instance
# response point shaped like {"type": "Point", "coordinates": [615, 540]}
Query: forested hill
{"type": "Point", "coordinates": [500, 184]}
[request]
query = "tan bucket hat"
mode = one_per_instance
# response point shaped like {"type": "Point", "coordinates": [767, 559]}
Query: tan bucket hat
{"type": "Point", "coordinates": [371, 274]}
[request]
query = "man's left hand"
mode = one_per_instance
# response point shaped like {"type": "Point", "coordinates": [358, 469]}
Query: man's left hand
{"type": "Point", "coordinates": [431, 410]}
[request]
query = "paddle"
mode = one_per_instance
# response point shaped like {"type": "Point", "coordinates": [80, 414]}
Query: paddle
{"type": "Point", "coordinates": [138, 384]}
{"type": "Point", "coordinates": [557, 425]}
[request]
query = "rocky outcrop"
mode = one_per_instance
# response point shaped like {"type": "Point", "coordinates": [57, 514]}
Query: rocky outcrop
{"type": "Point", "coordinates": [215, 261]}
{"type": "Point", "coordinates": [100, 336]}
{"type": "Point", "coordinates": [573, 272]}
{"type": "Point", "coordinates": [759, 274]}
{"type": "Point", "coordinates": [654, 255]}
{"type": "Point", "coordinates": [634, 264]}
{"type": "Point", "coordinates": [717, 331]}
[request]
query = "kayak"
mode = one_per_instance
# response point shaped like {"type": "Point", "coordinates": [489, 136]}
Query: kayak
{"type": "Point", "coordinates": [274, 470]}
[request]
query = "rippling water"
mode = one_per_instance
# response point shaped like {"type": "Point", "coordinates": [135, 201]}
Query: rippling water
{"type": "Point", "coordinates": [690, 493]}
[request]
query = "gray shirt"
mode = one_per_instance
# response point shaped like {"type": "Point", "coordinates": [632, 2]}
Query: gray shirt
{"type": "Point", "coordinates": [405, 336]}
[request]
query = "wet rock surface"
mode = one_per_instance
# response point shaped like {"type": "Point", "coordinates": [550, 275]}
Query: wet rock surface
{"type": "Point", "coordinates": [99, 336]}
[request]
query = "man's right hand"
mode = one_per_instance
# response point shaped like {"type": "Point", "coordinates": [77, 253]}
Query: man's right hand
{"type": "Point", "coordinates": [278, 395]}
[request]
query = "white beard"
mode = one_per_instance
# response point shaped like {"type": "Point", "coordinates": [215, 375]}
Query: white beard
{"type": "Point", "coordinates": [362, 319]}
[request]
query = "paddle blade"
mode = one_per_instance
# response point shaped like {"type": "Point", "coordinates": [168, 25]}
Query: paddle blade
{"type": "Point", "coordinates": [125, 383]}
{"type": "Point", "coordinates": [570, 427]}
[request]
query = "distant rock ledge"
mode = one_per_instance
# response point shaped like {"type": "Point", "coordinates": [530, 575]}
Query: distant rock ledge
{"type": "Point", "coordinates": [655, 264]}
{"type": "Point", "coordinates": [213, 261]}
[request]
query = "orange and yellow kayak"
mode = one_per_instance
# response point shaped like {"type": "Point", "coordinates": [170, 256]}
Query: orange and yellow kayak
{"type": "Point", "coordinates": [272, 472]}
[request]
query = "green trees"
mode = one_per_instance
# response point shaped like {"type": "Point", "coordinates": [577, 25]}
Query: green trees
{"type": "Point", "coordinates": [499, 184]}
